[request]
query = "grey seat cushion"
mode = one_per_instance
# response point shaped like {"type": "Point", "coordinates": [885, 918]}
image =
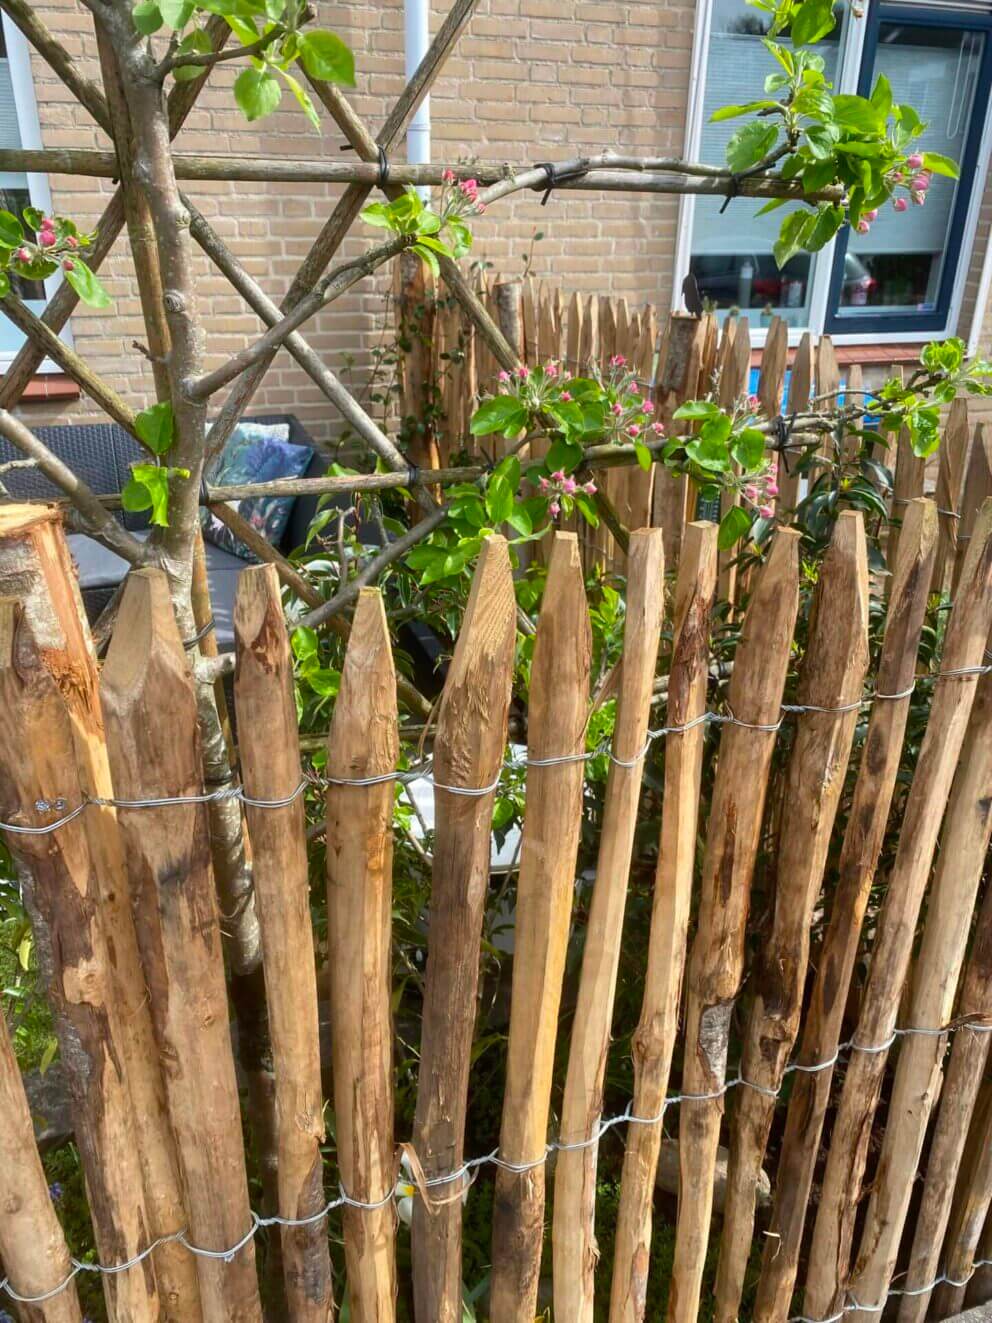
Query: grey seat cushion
{"type": "Point", "coordinates": [100, 570]}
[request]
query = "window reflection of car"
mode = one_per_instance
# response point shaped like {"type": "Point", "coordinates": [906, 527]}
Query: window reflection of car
{"type": "Point", "coordinates": [753, 280]}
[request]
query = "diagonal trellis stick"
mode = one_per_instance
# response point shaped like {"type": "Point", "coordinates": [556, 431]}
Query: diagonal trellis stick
{"type": "Point", "coordinates": [64, 301]}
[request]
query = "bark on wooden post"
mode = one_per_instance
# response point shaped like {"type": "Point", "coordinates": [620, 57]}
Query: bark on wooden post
{"type": "Point", "coordinates": [32, 1245]}
{"type": "Point", "coordinates": [963, 847]}
{"type": "Point", "coordinates": [416, 319]}
{"type": "Point", "coordinates": [950, 474]}
{"type": "Point", "coordinates": [654, 1040]}
{"type": "Point", "coordinates": [38, 785]}
{"type": "Point", "coordinates": [468, 752]}
{"type": "Point", "coordinates": [558, 709]}
{"type": "Point", "coordinates": [679, 366]}
{"type": "Point", "coordinates": [967, 633]}
{"type": "Point", "coordinates": [861, 847]}
{"type": "Point", "coordinates": [832, 679]}
{"type": "Point", "coordinates": [977, 487]}
{"type": "Point", "coordinates": [150, 710]}
{"type": "Point", "coordinates": [972, 1201]}
{"type": "Point", "coordinates": [957, 1104]}
{"type": "Point", "coordinates": [35, 562]}
{"type": "Point", "coordinates": [268, 742]}
{"type": "Point", "coordinates": [573, 1232]}
{"type": "Point", "coordinates": [717, 957]}
{"type": "Point", "coordinates": [364, 742]}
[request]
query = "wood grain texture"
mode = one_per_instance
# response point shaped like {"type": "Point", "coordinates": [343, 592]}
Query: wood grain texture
{"type": "Point", "coordinates": [972, 1201]}
{"type": "Point", "coordinates": [36, 564]}
{"type": "Point", "coordinates": [960, 863]}
{"type": "Point", "coordinates": [37, 766]}
{"type": "Point", "coordinates": [573, 1228]}
{"type": "Point", "coordinates": [654, 1040]}
{"type": "Point", "coordinates": [717, 955]}
{"type": "Point", "coordinates": [468, 751]}
{"type": "Point", "coordinates": [32, 1245]}
{"type": "Point", "coordinates": [800, 388]}
{"type": "Point", "coordinates": [268, 743]}
{"type": "Point", "coordinates": [977, 488]}
{"type": "Point", "coordinates": [860, 851]}
{"type": "Point", "coordinates": [364, 741]}
{"type": "Point", "coordinates": [558, 710]}
{"type": "Point", "coordinates": [150, 710]}
{"type": "Point", "coordinates": [967, 633]}
{"type": "Point", "coordinates": [952, 457]}
{"type": "Point", "coordinates": [832, 678]}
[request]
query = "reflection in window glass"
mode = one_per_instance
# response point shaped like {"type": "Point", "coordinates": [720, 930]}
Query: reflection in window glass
{"type": "Point", "coordinates": [897, 266]}
{"type": "Point", "coordinates": [732, 254]}
{"type": "Point", "coordinates": [14, 197]}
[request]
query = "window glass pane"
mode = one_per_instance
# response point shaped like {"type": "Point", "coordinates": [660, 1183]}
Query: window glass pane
{"type": "Point", "coordinates": [14, 197]}
{"type": "Point", "coordinates": [897, 266]}
{"type": "Point", "coordinates": [732, 254]}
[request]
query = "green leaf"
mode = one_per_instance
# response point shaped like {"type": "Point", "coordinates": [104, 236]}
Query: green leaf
{"type": "Point", "coordinates": [428, 258]}
{"type": "Point", "coordinates": [748, 449]}
{"type": "Point", "coordinates": [148, 490]}
{"type": "Point", "coordinates": [379, 215]}
{"type": "Point", "coordinates": [503, 413]}
{"type": "Point", "coordinates": [881, 96]}
{"type": "Point", "coordinates": [86, 285]}
{"type": "Point", "coordinates": [750, 144]}
{"type": "Point", "coordinates": [857, 113]}
{"type": "Point", "coordinates": [520, 521]}
{"type": "Point", "coordinates": [587, 507]}
{"type": "Point", "coordinates": [305, 642]}
{"type": "Point", "coordinates": [195, 43]}
{"type": "Point", "coordinates": [731, 112]}
{"type": "Point", "coordinates": [822, 141]}
{"type": "Point", "coordinates": [303, 98]}
{"type": "Point", "coordinates": [734, 525]}
{"type": "Point", "coordinates": [716, 430]}
{"type": "Point", "coordinates": [697, 409]}
{"type": "Point", "coordinates": [812, 20]}
{"type": "Point", "coordinates": [11, 230]}
{"type": "Point", "coordinates": [564, 455]}
{"type": "Point", "coordinates": [791, 235]}
{"type": "Point", "coordinates": [829, 219]}
{"type": "Point", "coordinates": [325, 56]}
{"type": "Point", "coordinates": [940, 165]}
{"type": "Point", "coordinates": [782, 54]}
{"type": "Point", "coordinates": [147, 17]}
{"type": "Point", "coordinates": [257, 93]}
{"type": "Point", "coordinates": [176, 13]}
{"type": "Point", "coordinates": [435, 245]}
{"type": "Point", "coordinates": [499, 499]}
{"type": "Point", "coordinates": [461, 237]}
{"type": "Point", "coordinates": [4, 284]}
{"type": "Point", "coordinates": [155, 426]}
{"type": "Point", "coordinates": [644, 456]}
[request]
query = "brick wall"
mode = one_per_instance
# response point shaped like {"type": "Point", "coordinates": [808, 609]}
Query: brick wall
{"type": "Point", "coordinates": [529, 80]}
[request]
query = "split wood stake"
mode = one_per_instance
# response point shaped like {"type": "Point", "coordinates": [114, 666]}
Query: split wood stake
{"type": "Point", "coordinates": [679, 367]}
{"type": "Point", "coordinates": [774, 359]}
{"type": "Point", "coordinates": [38, 764]}
{"type": "Point", "coordinates": [32, 1245]}
{"type": "Point", "coordinates": [35, 562]}
{"type": "Point", "coordinates": [860, 851]}
{"type": "Point", "coordinates": [853, 394]}
{"type": "Point", "coordinates": [270, 770]}
{"type": "Point", "coordinates": [972, 1201]}
{"type": "Point", "coordinates": [657, 1028]}
{"type": "Point", "coordinates": [950, 474]}
{"type": "Point", "coordinates": [907, 483]}
{"type": "Point", "coordinates": [957, 1105]}
{"type": "Point", "coordinates": [977, 486]}
{"type": "Point", "coordinates": [967, 633]}
{"type": "Point", "coordinates": [573, 1227]}
{"type": "Point", "coordinates": [733, 384]}
{"type": "Point", "coordinates": [559, 701]}
{"type": "Point", "coordinates": [828, 383]}
{"type": "Point", "coordinates": [717, 958]}
{"type": "Point", "coordinates": [800, 386]}
{"type": "Point", "coordinates": [963, 846]}
{"type": "Point", "coordinates": [415, 327]}
{"type": "Point", "coordinates": [364, 741]}
{"type": "Point", "coordinates": [468, 752]}
{"type": "Point", "coordinates": [833, 675]}
{"type": "Point", "coordinates": [150, 709]}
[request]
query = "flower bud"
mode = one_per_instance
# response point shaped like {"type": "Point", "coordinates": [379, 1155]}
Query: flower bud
{"type": "Point", "coordinates": [914, 161]}
{"type": "Point", "coordinates": [900, 204]}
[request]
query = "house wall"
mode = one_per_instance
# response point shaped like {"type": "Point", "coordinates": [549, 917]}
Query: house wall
{"type": "Point", "coordinates": [529, 80]}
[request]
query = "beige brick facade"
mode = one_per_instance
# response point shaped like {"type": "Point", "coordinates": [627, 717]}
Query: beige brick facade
{"type": "Point", "coordinates": [529, 80]}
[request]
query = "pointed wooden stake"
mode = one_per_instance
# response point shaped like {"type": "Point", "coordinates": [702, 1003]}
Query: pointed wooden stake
{"type": "Point", "coordinates": [468, 752]}
{"type": "Point", "coordinates": [573, 1230]}
{"type": "Point", "coordinates": [150, 709]}
{"type": "Point", "coordinates": [654, 1040]}
{"type": "Point", "coordinates": [559, 701]}
{"type": "Point", "coordinates": [268, 742]}
{"type": "Point", "coordinates": [717, 959]}
{"type": "Point", "coordinates": [364, 742]}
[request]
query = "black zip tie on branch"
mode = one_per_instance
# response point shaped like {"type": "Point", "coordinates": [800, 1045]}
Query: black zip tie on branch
{"type": "Point", "coordinates": [733, 191]}
{"type": "Point", "coordinates": [413, 475]}
{"type": "Point", "coordinates": [558, 174]}
{"type": "Point", "coordinates": [383, 179]}
{"type": "Point", "coordinates": [200, 636]}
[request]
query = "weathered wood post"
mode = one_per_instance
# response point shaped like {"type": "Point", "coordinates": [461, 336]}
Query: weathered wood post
{"type": "Point", "coordinates": [150, 709]}
{"type": "Point", "coordinates": [268, 742]}
{"type": "Point", "coordinates": [364, 742]}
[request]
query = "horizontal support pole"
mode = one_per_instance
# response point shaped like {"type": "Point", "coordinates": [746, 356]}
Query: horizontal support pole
{"type": "Point", "coordinates": [606, 173]}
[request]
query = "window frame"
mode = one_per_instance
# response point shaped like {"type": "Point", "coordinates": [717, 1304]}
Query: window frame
{"type": "Point", "coordinates": [850, 79]}
{"type": "Point", "coordinates": [29, 127]}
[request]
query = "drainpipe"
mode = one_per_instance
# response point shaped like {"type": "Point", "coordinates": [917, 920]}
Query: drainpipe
{"type": "Point", "coordinates": [417, 39]}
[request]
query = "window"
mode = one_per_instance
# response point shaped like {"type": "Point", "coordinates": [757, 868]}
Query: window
{"type": "Point", "coordinates": [904, 279]}
{"type": "Point", "coordinates": [19, 128]}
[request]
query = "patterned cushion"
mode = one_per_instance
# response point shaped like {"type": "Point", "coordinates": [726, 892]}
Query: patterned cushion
{"type": "Point", "coordinates": [255, 452]}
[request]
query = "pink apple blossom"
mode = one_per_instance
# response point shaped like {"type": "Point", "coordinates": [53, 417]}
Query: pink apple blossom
{"type": "Point", "coordinates": [523, 371]}
{"type": "Point", "coordinates": [657, 428]}
{"type": "Point", "coordinates": [448, 176]}
{"type": "Point", "coordinates": [23, 255]}
{"type": "Point", "coordinates": [914, 161]}
{"type": "Point", "coordinates": [554, 508]}
{"type": "Point", "coordinates": [772, 489]}
{"type": "Point", "coordinates": [68, 264]}
{"type": "Point", "coordinates": [565, 397]}
{"type": "Point", "coordinates": [504, 375]}
{"type": "Point", "coordinates": [862, 226]}
{"type": "Point", "coordinates": [589, 488]}
{"type": "Point", "coordinates": [47, 238]}
{"type": "Point", "coordinates": [766, 511]}
{"type": "Point", "coordinates": [900, 204]}
{"type": "Point", "coordinates": [871, 215]}
{"type": "Point", "coordinates": [569, 486]}
{"type": "Point", "coordinates": [558, 475]}
{"type": "Point", "coordinates": [634, 430]}
{"type": "Point", "coordinates": [617, 360]}
{"type": "Point", "coordinates": [616, 409]}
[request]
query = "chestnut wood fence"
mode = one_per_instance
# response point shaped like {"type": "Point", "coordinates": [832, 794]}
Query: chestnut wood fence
{"type": "Point", "coordinates": [881, 1179]}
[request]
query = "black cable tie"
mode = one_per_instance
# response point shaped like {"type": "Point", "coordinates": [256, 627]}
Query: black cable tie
{"type": "Point", "coordinates": [346, 147]}
{"type": "Point", "coordinates": [412, 475]}
{"type": "Point", "coordinates": [556, 174]}
{"type": "Point", "coordinates": [200, 636]}
{"type": "Point", "coordinates": [733, 191]}
{"type": "Point", "coordinates": [383, 166]}
{"type": "Point", "coordinates": [204, 490]}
